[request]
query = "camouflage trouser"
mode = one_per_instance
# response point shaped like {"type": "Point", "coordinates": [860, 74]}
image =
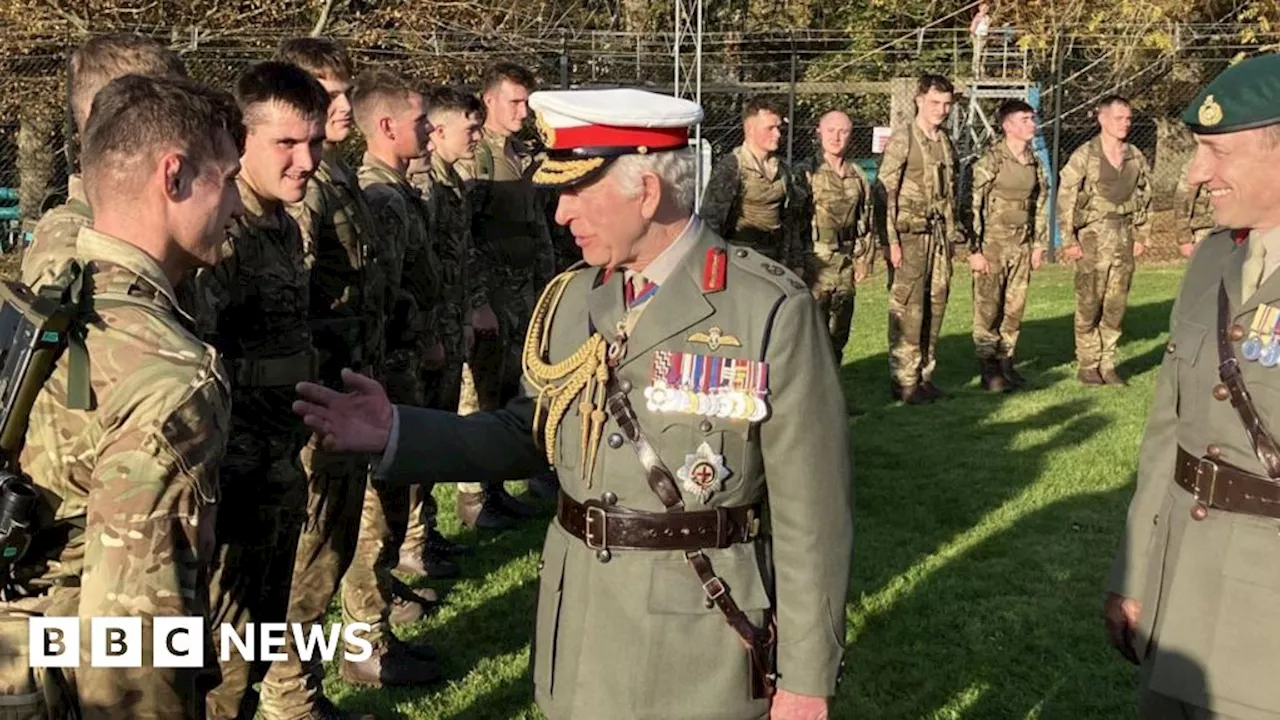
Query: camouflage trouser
{"type": "Point", "coordinates": [491, 376]}
{"type": "Point", "coordinates": [918, 294]}
{"type": "Point", "coordinates": [260, 515]}
{"type": "Point", "coordinates": [834, 289]}
{"type": "Point", "coordinates": [335, 489]}
{"type": "Point", "coordinates": [1103, 276]}
{"type": "Point", "coordinates": [384, 515]}
{"type": "Point", "coordinates": [999, 298]}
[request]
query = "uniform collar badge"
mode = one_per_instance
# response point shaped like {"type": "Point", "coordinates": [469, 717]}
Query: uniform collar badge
{"type": "Point", "coordinates": [703, 473]}
{"type": "Point", "coordinates": [714, 339]}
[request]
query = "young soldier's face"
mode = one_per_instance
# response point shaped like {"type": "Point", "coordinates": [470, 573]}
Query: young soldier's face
{"type": "Point", "coordinates": [410, 129]}
{"type": "Point", "coordinates": [934, 106]}
{"type": "Point", "coordinates": [1020, 126]}
{"type": "Point", "coordinates": [337, 126]}
{"type": "Point", "coordinates": [203, 215]}
{"type": "Point", "coordinates": [764, 130]}
{"type": "Point", "coordinates": [455, 136]}
{"type": "Point", "coordinates": [508, 105]}
{"type": "Point", "coordinates": [1238, 170]}
{"type": "Point", "coordinates": [281, 152]}
{"type": "Point", "coordinates": [1115, 120]}
{"type": "Point", "coordinates": [834, 132]}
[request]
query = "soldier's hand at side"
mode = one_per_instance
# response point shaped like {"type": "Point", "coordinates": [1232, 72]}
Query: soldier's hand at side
{"type": "Point", "coordinates": [978, 263]}
{"type": "Point", "coordinates": [1121, 616]}
{"type": "Point", "coordinates": [1073, 253]}
{"type": "Point", "coordinates": [1139, 249]}
{"type": "Point", "coordinates": [895, 255]}
{"type": "Point", "coordinates": [860, 271]}
{"type": "Point", "coordinates": [358, 420]}
{"type": "Point", "coordinates": [1185, 249]}
{"type": "Point", "coordinates": [484, 321]}
{"type": "Point", "coordinates": [1037, 258]}
{"type": "Point", "coordinates": [790, 706]}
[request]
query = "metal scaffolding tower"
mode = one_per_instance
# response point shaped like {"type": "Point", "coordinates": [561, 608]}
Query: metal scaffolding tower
{"type": "Point", "coordinates": [687, 80]}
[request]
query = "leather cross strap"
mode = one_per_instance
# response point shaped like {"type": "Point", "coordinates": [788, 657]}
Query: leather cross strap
{"type": "Point", "coordinates": [1218, 485]}
{"type": "Point", "coordinates": [602, 527]}
{"type": "Point", "coordinates": [1264, 445]}
{"type": "Point", "coordinates": [759, 642]}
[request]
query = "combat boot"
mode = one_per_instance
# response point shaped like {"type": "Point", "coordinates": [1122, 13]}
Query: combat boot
{"type": "Point", "coordinates": [423, 563]}
{"type": "Point", "coordinates": [1010, 373]}
{"type": "Point", "coordinates": [913, 395]}
{"type": "Point", "coordinates": [992, 379]}
{"type": "Point", "coordinates": [930, 391]}
{"type": "Point", "coordinates": [475, 512]}
{"type": "Point", "coordinates": [324, 709]}
{"type": "Point", "coordinates": [510, 505]}
{"type": "Point", "coordinates": [390, 665]}
{"type": "Point", "coordinates": [1111, 377]}
{"type": "Point", "coordinates": [411, 604]}
{"type": "Point", "coordinates": [1089, 376]}
{"type": "Point", "coordinates": [441, 546]}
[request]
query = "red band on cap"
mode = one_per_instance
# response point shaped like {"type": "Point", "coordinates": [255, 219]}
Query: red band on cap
{"type": "Point", "coordinates": [610, 136]}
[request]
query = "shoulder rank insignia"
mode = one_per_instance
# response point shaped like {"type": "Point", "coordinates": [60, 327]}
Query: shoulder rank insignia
{"type": "Point", "coordinates": [714, 339]}
{"type": "Point", "coordinates": [703, 473]}
{"type": "Point", "coordinates": [713, 270]}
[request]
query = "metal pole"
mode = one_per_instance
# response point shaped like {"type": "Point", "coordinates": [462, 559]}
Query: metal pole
{"type": "Point", "coordinates": [564, 60]}
{"type": "Point", "coordinates": [791, 103]}
{"type": "Point", "coordinates": [1057, 145]}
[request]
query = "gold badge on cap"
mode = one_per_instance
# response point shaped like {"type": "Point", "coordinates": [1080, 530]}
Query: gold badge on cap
{"type": "Point", "coordinates": [547, 132]}
{"type": "Point", "coordinates": [1210, 112]}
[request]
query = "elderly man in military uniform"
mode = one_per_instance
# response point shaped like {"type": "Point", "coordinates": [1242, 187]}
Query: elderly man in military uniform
{"type": "Point", "coordinates": [1103, 199]}
{"type": "Point", "coordinates": [918, 172]}
{"type": "Point", "coordinates": [678, 579]}
{"type": "Point", "coordinates": [124, 440]}
{"type": "Point", "coordinates": [1193, 596]}
{"type": "Point", "coordinates": [754, 199]}
{"type": "Point", "coordinates": [1009, 236]}
{"type": "Point", "coordinates": [514, 246]}
{"type": "Point", "coordinates": [97, 62]}
{"type": "Point", "coordinates": [1194, 213]}
{"type": "Point", "coordinates": [842, 226]}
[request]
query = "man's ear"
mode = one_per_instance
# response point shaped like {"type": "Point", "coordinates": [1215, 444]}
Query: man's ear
{"type": "Point", "coordinates": [385, 127]}
{"type": "Point", "coordinates": [177, 181]}
{"type": "Point", "coordinates": [650, 195]}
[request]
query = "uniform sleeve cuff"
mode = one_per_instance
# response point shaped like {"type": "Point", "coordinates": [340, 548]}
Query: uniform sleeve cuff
{"type": "Point", "coordinates": [382, 465]}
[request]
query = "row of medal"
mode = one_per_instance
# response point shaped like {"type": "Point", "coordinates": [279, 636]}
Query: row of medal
{"type": "Point", "coordinates": [1263, 343]}
{"type": "Point", "coordinates": [708, 385]}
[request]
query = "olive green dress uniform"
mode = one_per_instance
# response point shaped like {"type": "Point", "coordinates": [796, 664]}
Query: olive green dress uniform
{"type": "Point", "coordinates": [1011, 219]}
{"type": "Point", "coordinates": [1104, 209]}
{"type": "Point", "coordinates": [1200, 542]}
{"type": "Point", "coordinates": [760, 205]}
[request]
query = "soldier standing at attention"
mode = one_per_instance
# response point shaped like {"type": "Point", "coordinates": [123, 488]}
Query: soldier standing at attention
{"type": "Point", "coordinates": [514, 245]}
{"type": "Point", "coordinates": [392, 116]}
{"type": "Point", "coordinates": [1195, 215]}
{"type": "Point", "coordinates": [842, 226]}
{"type": "Point", "coordinates": [661, 379]}
{"type": "Point", "coordinates": [253, 307]}
{"type": "Point", "coordinates": [1192, 597]}
{"type": "Point", "coordinates": [752, 197]}
{"type": "Point", "coordinates": [919, 177]}
{"type": "Point", "coordinates": [124, 451]}
{"type": "Point", "coordinates": [97, 62]}
{"type": "Point", "coordinates": [1103, 197]}
{"type": "Point", "coordinates": [1009, 236]}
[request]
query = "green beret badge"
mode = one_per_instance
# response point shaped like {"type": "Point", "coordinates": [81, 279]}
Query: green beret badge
{"type": "Point", "coordinates": [1210, 113]}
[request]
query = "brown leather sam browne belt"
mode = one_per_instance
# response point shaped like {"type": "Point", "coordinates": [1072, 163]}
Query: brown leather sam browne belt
{"type": "Point", "coordinates": [604, 527]}
{"type": "Point", "coordinates": [1224, 487]}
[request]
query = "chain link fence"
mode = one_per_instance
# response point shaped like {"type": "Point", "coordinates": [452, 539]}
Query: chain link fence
{"type": "Point", "coordinates": [870, 76]}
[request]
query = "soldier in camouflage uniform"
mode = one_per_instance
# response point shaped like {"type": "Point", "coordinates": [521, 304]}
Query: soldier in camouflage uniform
{"type": "Point", "coordinates": [1103, 199]}
{"type": "Point", "coordinates": [513, 242]}
{"type": "Point", "coordinates": [129, 482]}
{"type": "Point", "coordinates": [94, 64]}
{"type": "Point", "coordinates": [842, 226]}
{"type": "Point", "coordinates": [253, 307]}
{"type": "Point", "coordinates": [1010, 234]}
{"type": "Point", "coordinates": [754, 199]}
{"type": "Point", "coordinates": [919, 178]}
{"type": "Point", "coordinates": [392, 116]}
{"type": "Point", "coordinates": [1195, 214]}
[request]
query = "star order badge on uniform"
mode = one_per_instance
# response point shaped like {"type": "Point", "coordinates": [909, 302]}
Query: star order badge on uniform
{"type": "Point", "coordinates": [703, 473]}
{"type": "Point", "coordinates": [708, 385]}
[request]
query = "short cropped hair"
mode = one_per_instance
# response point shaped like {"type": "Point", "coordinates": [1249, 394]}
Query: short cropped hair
{"type": "Point", "coordinates": [1110, 100]}
{"type": "Point", "coordinates": [321, 57]}
{"type": "Point", "coordinates": [1012, 107]}
{"type": "Point", "coordinates": [757, 105]}
{"type": "Point", "coordinates": [476, 107]}
{"type": "Point", "coordinates": [495, 74]}
{"type": "Point", "coordinates": [443, 101]}
{"type": "Point", "coordinates": [104, 58]}
{"type": "Point", "coordinates": [379, 90]}
{"type": "Point", "coordinates": [137, 118]}
{"type": "Point", "coordinates": [930, 81]}
{"type": "Point", "coordinates": [283, 83]}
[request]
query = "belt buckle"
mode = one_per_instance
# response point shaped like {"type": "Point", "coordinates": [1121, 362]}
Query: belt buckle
{"type": "Point", "coordinates": [714, 588]}
{"type": "Point", "coordinates": [1212, 472]}
{"type": "Point", "coordinates": [596, 515]}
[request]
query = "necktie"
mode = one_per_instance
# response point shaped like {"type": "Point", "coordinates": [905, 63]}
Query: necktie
{"type": "Point", "coordinates": [638, 291]}
{"type": "Point", "coordinates": [1255, 263]}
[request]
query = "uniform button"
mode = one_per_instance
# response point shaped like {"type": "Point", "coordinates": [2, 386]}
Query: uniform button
{"type": "Point", "coordinates": [708, 603]}
{"type": "Point", "coordinates": [615, 440]}
{"type": "Point", "coordinates": [609, 498]}
{"type": "Point", "coordinates": [1199, 512]}
{"type": "Point", "coordinates": [1155, 519]}
{"type": "Point", "coordinates": [542, 564]}
{"type": "Point", "coordinates": [604, 556]}
{"type": "Point", "coordinates": [1171, 347]}
{"type": "Point", "coordinates": [1213, 451]}
{"type": "Point", "coordinates": [1220, 392]}
{"type": "Point", "coordinates": [1236, 333]}
{"type": "Point", "coordinates": [741, 253]}
{"type": "Point", "coordinates": [625, 386]}
{"type": "Point", "coordinates": [705, 426]}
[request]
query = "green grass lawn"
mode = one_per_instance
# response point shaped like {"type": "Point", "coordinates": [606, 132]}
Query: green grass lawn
{"type": "Point", "coordinates": [984, 528]}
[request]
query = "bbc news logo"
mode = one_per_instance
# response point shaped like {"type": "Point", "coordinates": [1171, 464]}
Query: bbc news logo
{"type": "Point", "coordinates": [178, 642]}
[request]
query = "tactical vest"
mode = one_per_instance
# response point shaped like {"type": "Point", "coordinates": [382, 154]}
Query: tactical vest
{"type": "Point", "coordinates": [1092, 204]}
{"type": "Point", "coordinates": [1011, 203]}
{"type": "Point", "coordinates": [927, 178]}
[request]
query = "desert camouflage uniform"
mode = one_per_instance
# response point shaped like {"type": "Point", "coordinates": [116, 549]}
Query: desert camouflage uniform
{"type": "Point", "coordinates": [513, 243]}
{"type": "Point", "coordinates": [761, 205]}
{"type": "Point", "coordinates": [54, 238]}
{"type": "Point", "coordinates": [1010, 220]}
{"type": "Point", "coordinates": [1195, 213]}
{"type": "Point", "coordinates": [400, 216]}
{"type": "Point", "coordinates": [348, 295]}
{"type": "Point", "coordinates": [253, 307]}
{"type": "Point", "coordinates": [130, 492]}
{"type": "Point", "coordinates": [1104, 210]}
{"type": "Point", "coordinates": [842, 241]}
{"type": "Point", "coordinates": [919, 181]}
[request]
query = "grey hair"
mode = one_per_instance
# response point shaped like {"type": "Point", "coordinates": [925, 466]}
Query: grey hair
{"type": "Point", "coordinates": [675, 168]}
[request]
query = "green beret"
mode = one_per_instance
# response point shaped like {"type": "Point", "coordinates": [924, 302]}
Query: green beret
{"type": "Point", "coordinates": [1245, 96]}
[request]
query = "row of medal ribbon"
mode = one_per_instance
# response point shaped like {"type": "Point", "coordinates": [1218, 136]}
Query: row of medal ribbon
{"type": "Point", "coordinates": [708, 385]}
{"type": "Point", "coordinates": [1266, 320]}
